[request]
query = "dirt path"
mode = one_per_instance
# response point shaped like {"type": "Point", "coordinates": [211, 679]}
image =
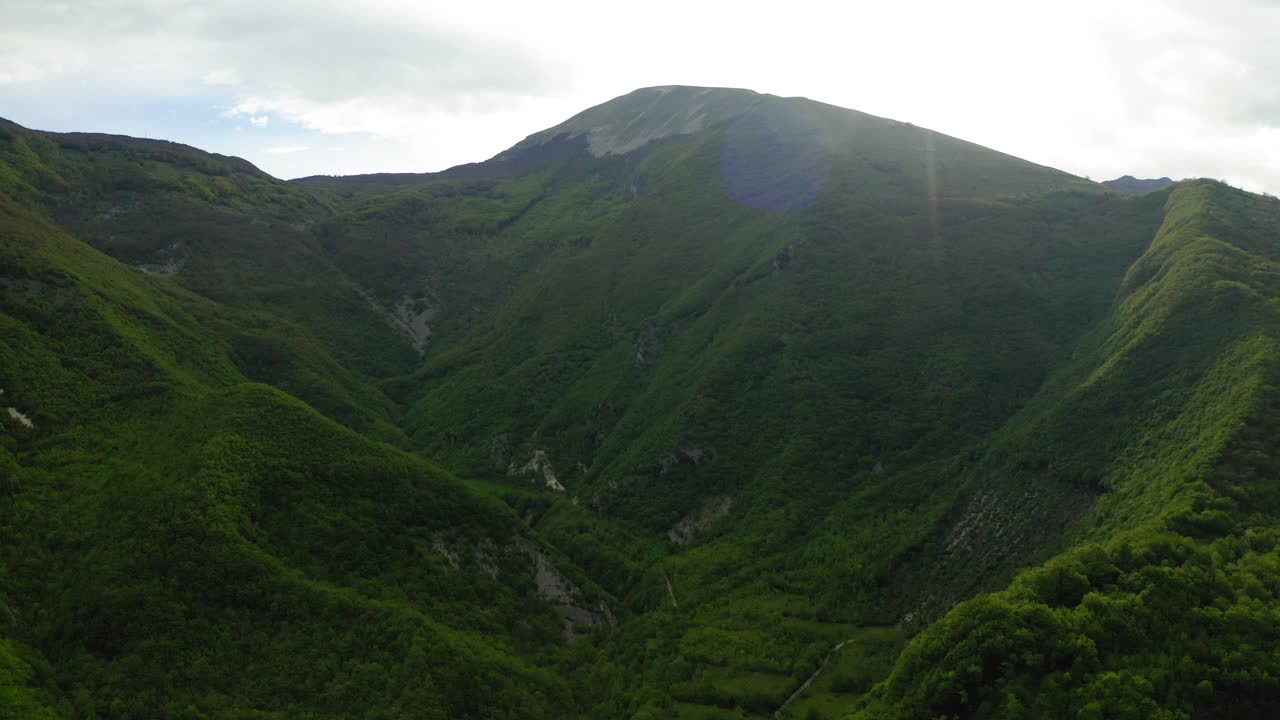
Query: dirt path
{"type": "Point", "coordinates": [778, 713]}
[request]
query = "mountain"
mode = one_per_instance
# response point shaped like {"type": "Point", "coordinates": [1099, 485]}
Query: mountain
{"type": "Point", "coordinates": [647, 115]}
{"type": "Point", "coordinates": [1129, 183]}
{"type": "Point", "coordinates": [184, 538]}
{"type": "Point", "coordinates": [666, 411]}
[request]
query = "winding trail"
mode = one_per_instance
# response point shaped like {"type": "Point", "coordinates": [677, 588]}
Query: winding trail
{"type": "Point", "coordinates": [778, 713]}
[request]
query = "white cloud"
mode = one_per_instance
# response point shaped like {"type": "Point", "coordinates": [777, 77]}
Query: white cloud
{"type": "Point", "coordinates": [222, 77]}
{"type": "Point", "coordinates": [258, 120]}
{"type": "Point", "coordinates": [314, 58]}
{"type": "Point", "coordinates": [285, 149]}
{"type": "Point", "coordinates": [1150, 87]}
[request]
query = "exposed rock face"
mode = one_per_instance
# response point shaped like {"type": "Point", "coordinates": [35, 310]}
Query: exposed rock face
{"type": "Point", "coordinates": [569, 601]}
{"type": "Point", "coordinates": [19, 416]}
{"type": "Point", "coordinates": [438, 544]}
{"type": "Point", "coordinates": [411, 317]}
{"type": "Point", "coordinates": [698, 520]}
{"type": "Point", "coordinates": [538, 464]}
{"type": "Point", "coordinates": [480, 558]}
{"type": "Point", "coordinates": [1001, 522]}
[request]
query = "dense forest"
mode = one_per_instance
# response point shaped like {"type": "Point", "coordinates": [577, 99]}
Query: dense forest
{"type": "Point", "coordinates": [703, 404]}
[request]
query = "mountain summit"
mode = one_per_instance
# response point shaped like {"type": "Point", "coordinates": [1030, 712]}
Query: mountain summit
{"type": "Point", "coordinates": [701, 404]}
{"type": "Point", "coordinates": [633, 120]}
{"type": "Point", "coordinates": [1130, 183]}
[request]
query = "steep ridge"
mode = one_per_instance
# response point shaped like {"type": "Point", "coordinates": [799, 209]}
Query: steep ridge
{"type": "Point", "coordinates": [1157, 608]}
{"type": "Point", "coordinates": [219, 227]}
{"type": "Point", "coordinates": [778, 377]}
{"type": "Point", "coordinates": [1130, 183]}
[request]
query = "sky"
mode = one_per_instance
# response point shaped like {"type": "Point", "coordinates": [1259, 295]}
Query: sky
{"type": "Point", "coordinates": [1184, 88]}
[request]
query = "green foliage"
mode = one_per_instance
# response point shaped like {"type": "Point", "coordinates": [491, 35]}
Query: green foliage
{"type": "Point", "coordinates": [178, 541]}
{"type": "Point", "coordinates": [808, 378]}
{"type": "Point", "coordinates": [25, 687]}
{"type": "Point", "coordinates": [1161, 614]}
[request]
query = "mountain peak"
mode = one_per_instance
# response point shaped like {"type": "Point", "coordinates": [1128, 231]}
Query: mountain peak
{"type": "Point", "coordinates": [1129, 183]}
{"type": "Point", "coordinates": [642, 116]}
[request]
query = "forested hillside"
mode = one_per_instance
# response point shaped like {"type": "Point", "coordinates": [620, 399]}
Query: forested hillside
{"type": "Point", "coordinates": [182, 540]}
{"type": "Point", "coordinates": [703, 404]}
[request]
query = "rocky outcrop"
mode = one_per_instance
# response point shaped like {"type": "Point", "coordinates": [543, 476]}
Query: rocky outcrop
{"type": "Point", "coordinates": [410, 317]}
{"type": "Point", "coordinates": [568, 599]}
{"type": "Point", "coordinates": [693, 523]}
{"type": "Point", "coordinates": [20, 417]}
{"type": "Point", "coordinates": [480, 558]}
{"type": "Point", "coordinates": [539, 464]}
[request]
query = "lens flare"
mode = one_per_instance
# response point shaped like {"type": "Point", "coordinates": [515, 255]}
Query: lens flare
{"type": "Point", "coordinates": [777, 156]}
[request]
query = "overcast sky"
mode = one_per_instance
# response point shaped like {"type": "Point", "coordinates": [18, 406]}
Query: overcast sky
{"type": "Point", "coordinates": [1096, 87]}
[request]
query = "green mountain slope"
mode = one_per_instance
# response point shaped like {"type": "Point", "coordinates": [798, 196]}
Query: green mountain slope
{"type": "Point", "coordinates": [748, 393]}
{"type": "Point", "coordinates": [180, 541]}
{"type": "Point", "coordinates": [1162, 607]}
{"type": "Point", "coordinates": [670, 341]}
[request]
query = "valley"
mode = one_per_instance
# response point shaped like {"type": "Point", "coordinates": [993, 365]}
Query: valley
{"type": "Point", "coordinates": [702, 404]}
